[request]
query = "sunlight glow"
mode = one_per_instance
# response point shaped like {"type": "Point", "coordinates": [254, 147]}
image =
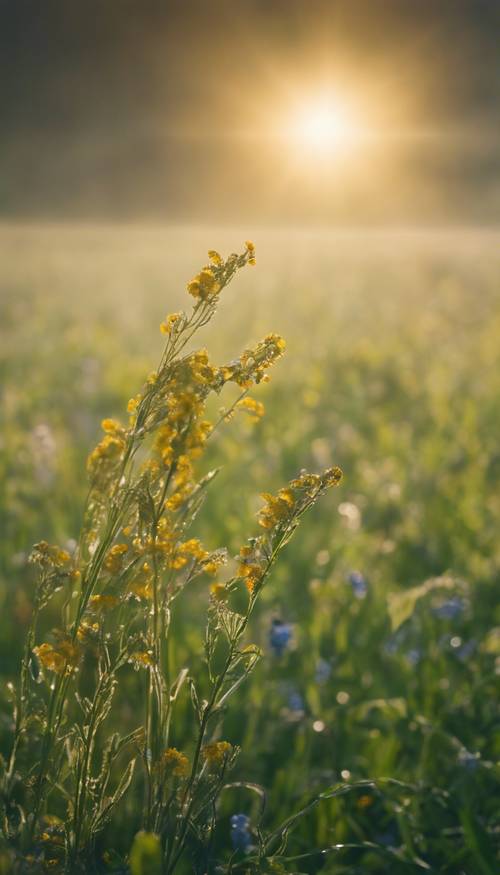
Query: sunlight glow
{"type": "Point", "coordinates": [323, 127]}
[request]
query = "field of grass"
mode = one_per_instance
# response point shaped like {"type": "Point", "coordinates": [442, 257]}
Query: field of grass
{"type": "Point", "coordinates": [390, 586]}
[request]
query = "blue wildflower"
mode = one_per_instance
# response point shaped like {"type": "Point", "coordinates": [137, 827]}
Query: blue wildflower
{"type": "Point", "coordinates": [240, 832]}
{"type": "Point", "coordinates": [323, 671]}
{"type": "Point", "coordinates": [413, 656]}
{"type": "Point", "coordinates": [295, 702]}
{"type": "Point", "coordinates": [450, 609]}
{"type": "Point", "coordinates": [359, 584]}
{"type": "Point", "coordinates": [279, 636]}
{"type": "Point", "coordinates": [466, 650]}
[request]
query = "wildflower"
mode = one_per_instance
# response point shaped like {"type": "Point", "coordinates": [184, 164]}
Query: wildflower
{"type": "Point", "coordinates": [240, 832]}
{"type": "Point", "coordinates": [278, 509]}
{"type": "Point", "coordinates": [142, 659]}
{"type": "Point", "coordinates": [214, 562]}
{"type": "Point", "coordinates": [217, 752]}
{"type": "Point", "coordinates": [87, 631]}
{"type": "Point", "coordinates": [255, 409]}
{"type": "Point", "coordinates": [111, 426]}
{"type": "Point", "coordinates": [250, 567]}
{"type": "Point", "coordinates": [60, 658]}
{"type": "Point", "coordinates": [175, 762]}
{"type": "Point", "coordinates": [171, 323]}
{"type": "Point", "coordinates": [250, 247]}
{"type": "Point", "coordinates": [114, 560]}
{"type": "Point", "coordinates": [204, 285]}
{"type": "Point", "coordinates": [49, 555]}
{"type": "Point", "coordinates": [296, 705]}
{"type": "Point", "coordinates": [358, 584]}
{"type": "Point", "coordinates": [215, 258]}
{"type": "Point", "coordinates": [279, 636]}
{"type": "Point", "coordinates": [218, 591]}
{"type": "Point", "coordinates": [133, 404]}
{"type": "Point", "coordinates": [107, 453]}
{"type": "Point", "coordinates": [450, 609]}
{"type": "Point", "coordinates": [103, 602]}
{"type": "Point", "coordinates": [323, 671]}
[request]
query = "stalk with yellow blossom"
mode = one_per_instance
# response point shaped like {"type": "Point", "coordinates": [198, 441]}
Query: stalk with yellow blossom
{"type": "Point", "coordinates": [134, 558]}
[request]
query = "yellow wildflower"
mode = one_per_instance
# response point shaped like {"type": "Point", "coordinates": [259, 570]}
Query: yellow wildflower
{"type": "Point", "coordinates": [175, 762]}
{"type": "Point", "coordinates": [170, 323]}
{"type": "Point", "coordinates": [204, 285]}
{"type": "Point", "coordinates": [87, 630]}
{"type": "Point", "coordinates": [49, 555]}
{"type": "Point", "coordinates": [142, 658]}
{"type": "Point", "coordinates": [277, 509]}
{"type": "Point", "coordinates": [217, 752]}
{"type": "Point", "coordinates": [254, 408]}
{"type": "Point", "coordinates": [60, 658]}
{"type": "Point", "coordinates": [103, 602]}
{"type": "Point", "coordinates": [111, 426]}
{"type": "Point", "coordinates": [114, 560]}
{"type": "Point", "coordinates": [215, 258]}
{"type": "Point", "coordinates": [133, 404]}
{"type": "Point", "coordinates": [218, 591]}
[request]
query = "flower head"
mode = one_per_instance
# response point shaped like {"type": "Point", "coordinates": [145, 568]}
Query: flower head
{"type": "Point", "coordinates": [175, 762]}
{"type": "Point", "coordinates": [217, 752]}
{"type": "Point", "coordinates": [240, 832]}
{"type": "Point", "coordinates": [279, 636]}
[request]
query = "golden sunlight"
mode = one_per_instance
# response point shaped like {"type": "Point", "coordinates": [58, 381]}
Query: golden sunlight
{"type": "Point", "coordinates": [324, 126]}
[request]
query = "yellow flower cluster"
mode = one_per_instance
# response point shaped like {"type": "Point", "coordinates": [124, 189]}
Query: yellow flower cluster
{"type": "Point", "coordinates": [87, 631]}
{"type": "Point", "coordinates": [255, 409]}
{"type": "Point", "coordinates": [205, 285]}
{"type": "Point", "coordinates": [251, 565]}
{"type": "Point", "coordinates": [101, 603]}
{"type": "Point", "coordinates": [175, 762]}
{"type": "Point", "coordinates": [278, 508]}
{"type": "Point", "coordinates": [218, 591]}
{"type": "Point", "coordinates": [141, 659]}
{"type": "Point", "coordinates": [142, 585]}
{"type": "Point", "coordinates": [292, 499]}
{"type": "Point", "coordinates": [115, 558]}
{"type": "Point", "coordinates": [61, 658]}
{"type": "Point", "coordinates": [253, 363]}
{"type": "Point", "coordinates": [217, 752]}
{"type": "Point", "coordinates": [251, 252]}
{"type": "Point", "coordinates": [49, 555]}
{"type": "Point", "coordinates": [109, 452]}
{"type": "Point", "coordinates": [215, 258]}
{"type": "Point", "coordinates": [172, 323]}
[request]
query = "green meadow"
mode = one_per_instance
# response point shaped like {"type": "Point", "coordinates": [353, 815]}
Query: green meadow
{"type": "Point", "coordinates": [384, 685]}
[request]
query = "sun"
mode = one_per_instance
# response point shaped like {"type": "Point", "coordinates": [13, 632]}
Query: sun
{"type": "Point", "coordinates": [324, 126]}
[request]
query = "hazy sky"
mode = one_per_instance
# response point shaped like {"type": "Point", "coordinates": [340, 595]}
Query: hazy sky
{"type": "Point", "coordinates": [179, 110]}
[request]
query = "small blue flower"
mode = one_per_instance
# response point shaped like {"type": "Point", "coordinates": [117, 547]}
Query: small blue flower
{"type": "Point", "coordinates": [279, 636]}
{"type": "Point", "coordinates": [449, 609]}
{"type": "Point", "coordinates": [295, 702]}
{"type": "Point", "coordinates": [359, 584]}
{"type": "Point", "coordinates": [413, 656]}
{"type": "Point", "coordinates": [323, 671]}
{"type": "Point", "coordinates": [466, 650]}
{"type": "Point", "coordinates": [240, 832]}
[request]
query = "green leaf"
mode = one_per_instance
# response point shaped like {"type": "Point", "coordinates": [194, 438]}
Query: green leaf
{"type": "Point", "coordinates": [145, 855]}
{"type": "Point", "coordinates": [402, 604]}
